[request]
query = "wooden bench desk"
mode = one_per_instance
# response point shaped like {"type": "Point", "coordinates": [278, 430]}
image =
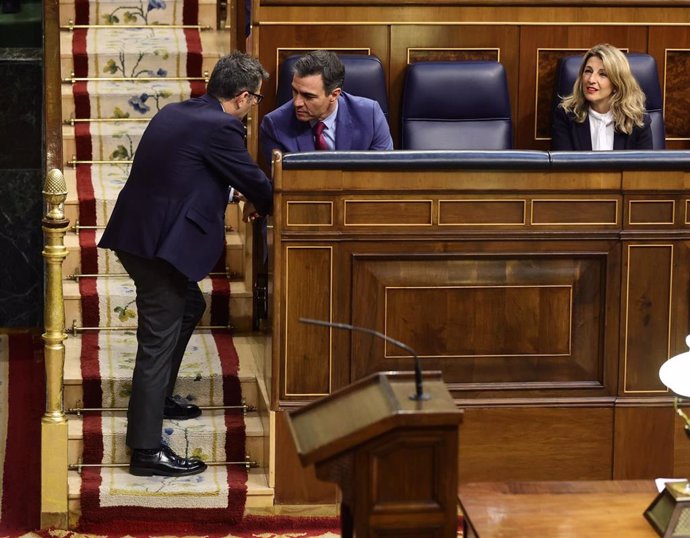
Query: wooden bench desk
{"type": "Point", "coordinates": [592, 509]}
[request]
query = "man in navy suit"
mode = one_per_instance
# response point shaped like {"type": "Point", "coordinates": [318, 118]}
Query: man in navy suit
{"type": "Point", "coordinates": [350, 122]}
{"type": "Point", "coordinates": [168, 230]}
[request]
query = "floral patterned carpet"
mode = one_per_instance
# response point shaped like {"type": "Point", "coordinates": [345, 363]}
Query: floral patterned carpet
{"type": "Point", "coordinates": [131, 71]}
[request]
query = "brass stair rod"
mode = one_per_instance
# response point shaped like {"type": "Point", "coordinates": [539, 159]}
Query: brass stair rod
{"type": "Point", "coordinates": [72, 79]}
{"type": "Point", "coordinates": [71, 26]}
{"type": "Point", "coordinates": [75, 162]}
{"type": "Point", "coordinates": [78, 227]}
{"type": "Point", "coordinates": [77, 276]}
{"type": "Point", "coordinates": [79, 466]}
{"type": "Point", "coordinates": [75, 330]}
{"type": "Point", "coordinates": [79, 410]}
{"type": "Point", "coordinates": [72, 121]}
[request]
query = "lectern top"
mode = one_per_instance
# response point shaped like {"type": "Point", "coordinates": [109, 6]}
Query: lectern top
{"type": "Point", "coordinates": [366, 409]}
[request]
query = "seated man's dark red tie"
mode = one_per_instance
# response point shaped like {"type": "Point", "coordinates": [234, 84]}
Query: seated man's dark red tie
{"type": "Point", "coordinates": [319, 138]}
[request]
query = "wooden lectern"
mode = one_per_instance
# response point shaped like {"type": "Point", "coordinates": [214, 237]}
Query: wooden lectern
{"type": "Point", "coordinates": [394, 458]}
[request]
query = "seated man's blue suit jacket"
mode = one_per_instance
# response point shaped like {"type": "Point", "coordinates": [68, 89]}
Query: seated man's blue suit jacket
{"type": "Point", "coordinates": [359, 125]}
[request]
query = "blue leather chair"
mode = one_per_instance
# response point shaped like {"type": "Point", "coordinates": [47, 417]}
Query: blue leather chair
{"type": "Point", "coordinates": [455, 106]}
{"type": "Point", "coordinates": [644, 69]}
{"type": "Point", "coordinates": [364, 76]}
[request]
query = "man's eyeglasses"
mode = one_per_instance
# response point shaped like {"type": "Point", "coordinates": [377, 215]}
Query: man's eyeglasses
{"type": "Point", "coordinates": [256, 96]}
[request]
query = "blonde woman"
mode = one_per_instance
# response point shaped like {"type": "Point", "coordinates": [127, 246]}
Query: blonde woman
{"type": "Point", "coordinates": [606, 109]}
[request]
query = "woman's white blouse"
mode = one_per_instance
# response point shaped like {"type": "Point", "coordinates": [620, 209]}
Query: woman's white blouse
{"type": "Point", "coordinates": [601, 130]}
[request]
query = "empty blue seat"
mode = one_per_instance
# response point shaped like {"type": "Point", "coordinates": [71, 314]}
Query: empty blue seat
{"type": "Point", "coordinates": [364, 76]}
{"type": "Point", "coordinates": [643, 67]}
{"type": "Point", "coordinates": [456, 105]}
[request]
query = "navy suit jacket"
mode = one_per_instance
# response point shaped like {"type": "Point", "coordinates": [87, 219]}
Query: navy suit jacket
{"type": "Point", "coordinates": [569, 135]}
{"type": "Point", "coordinates": [173, 204]}
{"type": "Point", "coordinates": [359, 125]}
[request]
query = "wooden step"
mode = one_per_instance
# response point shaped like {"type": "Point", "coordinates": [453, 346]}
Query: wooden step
{"type": "Point", "coordinates": [254, 446]}
{"type": "Point", "coordinates": [240, 305]}
{"type": "Point", "coordinates": [234, 255]}
{"type": "Point", "coordinates": [214, 44]}
{"type": "Point", "coordinates": [259, 494]}
{"type": "Point", "coordinates": [207, 13]}
{"type": "Point", "coordinates": [73, 391]}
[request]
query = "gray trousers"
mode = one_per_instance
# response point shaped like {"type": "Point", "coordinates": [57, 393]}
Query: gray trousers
{"type": "Point", "coordinates": [169, 306]}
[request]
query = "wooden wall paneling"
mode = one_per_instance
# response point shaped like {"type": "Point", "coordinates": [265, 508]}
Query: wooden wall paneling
{"type": "Point", "coordinates": [295, 484]}
{"type": "Point", "coordinates": [646, 293]}
{"type": "Point", "coordinates": [307, 360]}
{"type": "Point", "coordinates": [281, 40]}
{"type": "Point", "coordinates": [681, 447]}
{"type": "Point", "coordinates": [670, 46]}
{"type": "Point", "coordinates": [417, 12]}
{"type": "Point", "coordinates": [535, 443]}
{"type": "Point", "coordinates": [453, 42]}
{"type": "Point", "coordinates": [504, 316]}
{"type": "Point", "coordinates": [641, 442]}
{"type": "Point", "coordinates": [540, 49]}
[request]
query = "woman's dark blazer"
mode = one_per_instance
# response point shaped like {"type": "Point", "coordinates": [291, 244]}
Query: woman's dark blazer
{"type": "Point", "coordinates": [569, 135]}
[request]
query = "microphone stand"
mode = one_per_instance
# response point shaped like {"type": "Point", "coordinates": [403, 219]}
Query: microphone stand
{"type": "Point", "coordinates": [419, 394]}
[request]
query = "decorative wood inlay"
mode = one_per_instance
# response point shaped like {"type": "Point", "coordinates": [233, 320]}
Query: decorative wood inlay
{"type": "Point", "coordinates": [481, 212]}
{"type": "Point", "coordinates": [547, 67]}
{"type": "Point", "coordinates": [388, 212]}
{"type": "Point", "coordinates": [574, 212]}
{"type": "Point", "coordinates": [647, 330]}
{"type": "Point", "coordinates": [677, 94]}
{"type": "Point", "coordinates": [432, 54]}
{"type": "Point", "coordinates": [308, 294]}
{"type": "Point", "coordinates": [651, 211]}
{"type": "Point", "coordinates": [309, 213]}
{"type": "Point", "coordinates": [465, 319]}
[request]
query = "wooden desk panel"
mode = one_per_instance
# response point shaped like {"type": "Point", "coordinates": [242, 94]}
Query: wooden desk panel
{"type": "Point", "coordinates": [557, 509]}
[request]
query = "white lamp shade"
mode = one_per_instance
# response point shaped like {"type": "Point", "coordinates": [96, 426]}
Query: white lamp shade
{"type": "Point", "coordinates": [675, 373]}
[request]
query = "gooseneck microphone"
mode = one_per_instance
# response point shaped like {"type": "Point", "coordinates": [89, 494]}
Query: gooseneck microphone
{"type": "Point", "coordinates": [419, 393]}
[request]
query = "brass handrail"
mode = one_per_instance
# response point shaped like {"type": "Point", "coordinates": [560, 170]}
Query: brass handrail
{"type": "Point", "coordinates": [54, 432]}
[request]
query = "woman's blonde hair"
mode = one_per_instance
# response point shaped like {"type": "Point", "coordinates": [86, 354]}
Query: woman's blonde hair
{"type": "Point", "coordinates": [627, 99]}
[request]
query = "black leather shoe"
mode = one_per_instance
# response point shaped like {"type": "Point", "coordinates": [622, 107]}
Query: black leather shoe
{"type": "Point", "coordinates": [179, 408]}
{"type": "Point", "coordinates": [164, 462]}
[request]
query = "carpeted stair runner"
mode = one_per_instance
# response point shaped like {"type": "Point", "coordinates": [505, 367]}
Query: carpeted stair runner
{"type": "Point", "coordinates": [153, 58]}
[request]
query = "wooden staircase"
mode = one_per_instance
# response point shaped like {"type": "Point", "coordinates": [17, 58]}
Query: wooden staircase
{"type": "Point", "coordinates": [215, 43]}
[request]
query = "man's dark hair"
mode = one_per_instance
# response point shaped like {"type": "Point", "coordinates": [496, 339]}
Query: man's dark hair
{"type": "Point", "coordinates": [235, 73]}
{"type": "Point", "coordinates": [324, 63]}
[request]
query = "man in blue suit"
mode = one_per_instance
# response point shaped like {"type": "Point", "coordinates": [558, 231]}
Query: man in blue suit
{"type": "Point", "coordinates": [168, 231]}
{"type": "Point", "coordinates": [349, 122]}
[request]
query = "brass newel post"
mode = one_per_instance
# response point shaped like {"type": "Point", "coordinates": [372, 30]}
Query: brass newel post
{"type": "Point", "coordinates": [54, 460]}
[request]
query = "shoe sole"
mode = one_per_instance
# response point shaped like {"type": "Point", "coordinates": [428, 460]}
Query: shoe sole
{"type": "Point", "coordinates": [181, 417]}
{"type": "Point", "coordinates": [140, 471]}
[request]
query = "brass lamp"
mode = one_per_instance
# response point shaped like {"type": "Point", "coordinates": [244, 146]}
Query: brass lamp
{"type": "Point", "coordinates": [669, 513]}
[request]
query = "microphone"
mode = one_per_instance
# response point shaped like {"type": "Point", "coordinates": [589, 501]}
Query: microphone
{"type": "Point", "coordinates": [419, 394]}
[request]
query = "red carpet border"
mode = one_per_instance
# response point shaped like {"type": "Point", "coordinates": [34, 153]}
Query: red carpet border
{"type": "Point", "coordinates": [21, 413]}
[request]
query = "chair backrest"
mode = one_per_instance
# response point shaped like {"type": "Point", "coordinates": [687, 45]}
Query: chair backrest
{"type": "Point", "coordinates": [364, 76]}
{"type": "Point", "coordinates": [456, 105]}
{"type": "Point", "coordinates": [643, 67]}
